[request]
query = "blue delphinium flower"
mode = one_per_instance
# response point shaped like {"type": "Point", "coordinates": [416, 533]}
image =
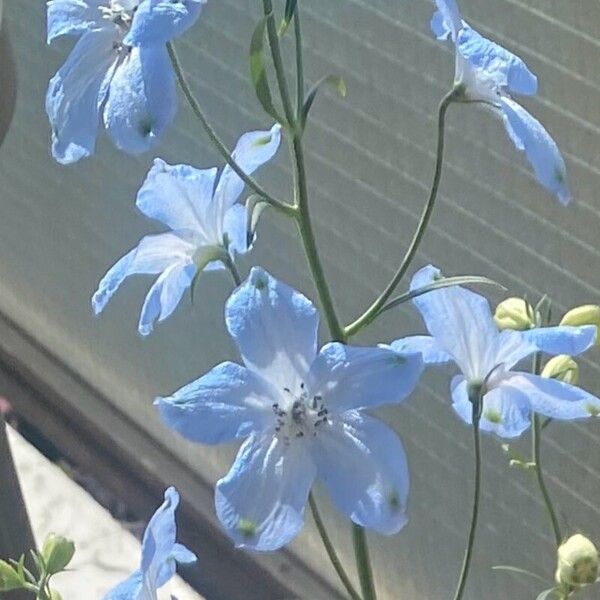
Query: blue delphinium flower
{"type": "Point", "coordinates": [462, 330]}
{"type": "Point", "coordinates": [160, 554]}
{"type": "Point", "coordinates": [302, 412]}
{"type": "Point", "coordinates": [490, 73]}
{"type": "Point", "coordinates": [118, 72]}
{"type": "Point", "coordinates": [208, 226]}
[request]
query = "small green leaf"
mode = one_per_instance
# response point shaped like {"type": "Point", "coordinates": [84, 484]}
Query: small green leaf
{"type": "Point", "coordinates": [258, 70]}
{"type": "Point", "coordinates": [9, 577]}
{"type": "Point", "coordinates": [334, 80]}
{"type": "Point", "coordinates": [57, 553]}
{"type": "Point", "coordinates": [288, 15]}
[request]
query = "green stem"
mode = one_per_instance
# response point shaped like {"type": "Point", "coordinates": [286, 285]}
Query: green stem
{"type": "Point", "coordinates": [373, 311]}
{"type": "Point", "coordinates": [464, 573]}
{"type": "Point", "coordinates": [216, 140]}
{"type": "Point", "coordinates": [363, 562]}
{"type": "Point", "coordinates": [299, 64]}
{"type": "Point", "coordinates": [333, 557]}
{"type": "Point", "coordinates": [235, 274]}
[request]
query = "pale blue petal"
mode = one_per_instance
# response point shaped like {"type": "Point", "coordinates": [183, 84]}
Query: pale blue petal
{"type": "Point", "coordinates": [449, 19]}
{"type": "Point", "coordinates": [426, 345]}
{"type": "Point", "coordinates": [142, 99]}
{"type": "Point", "coordinates": [129, 589]}
{"type": "Point", "coordinates": [183, 555]}
{"type": "Point", "coordinates": [74, 95]}
{"type": "Point", "coordinates": [179, 196]}
{"type": "Point", "coordinates": [509, 348]}
{"type": "Point", "coordinates": [363, 465]}
{"type": "Point", "coordinates": [235, 226]}
{"type": "Point", "coordinates": [159, 537]}
{"type": "Point", "coordinates": [529, 136]}
{"type": "Point", "coordinates": [275, 328]}
{"type": "Point", "coordinates": [553, 398]}
{"type": "Point", "coordinates": [440, 28]}
{"type": "Point", "coordinates": [562, 339]}
{"type": "Point", "coordinates": [228, 402]}
{"type": "Point", "coordinates": [154, 254]}
{"type": "Point", "coordinates": [350, 377]}
{"type": "Point", "coordinates": [165, 294]}
{"type": "Point", "coordinates": [73, 17]}
{"type": "Point", "coordinates": [496, 66]}
{"type": "Point", "coordinates": [158, 21]}
{"type": "Point", "coordinates": [261, 501]}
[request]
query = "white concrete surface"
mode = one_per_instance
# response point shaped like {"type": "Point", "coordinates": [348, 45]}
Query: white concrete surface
{"type": "Point", "coordinates": [105, 552]}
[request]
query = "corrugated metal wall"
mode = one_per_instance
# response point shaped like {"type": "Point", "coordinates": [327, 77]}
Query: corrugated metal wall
{"type": "Point", "coordinates": [370, 159]}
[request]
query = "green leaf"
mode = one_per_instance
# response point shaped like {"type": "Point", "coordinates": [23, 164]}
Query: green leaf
{"type": "Point", "coordinates": [57, 553]}
{"type": "Point", "coordinates": [258, 70]}
{"type": "Point", "coordinates": [9, 577]}
{"type": "Point", "coordinates": [519, 571]}
{"type": "Point", "coordinates": [439, 284]}
{"type": "Point", "coordinates": [288, 15]}
{"type": "Point", "coordinates": [334, 80]}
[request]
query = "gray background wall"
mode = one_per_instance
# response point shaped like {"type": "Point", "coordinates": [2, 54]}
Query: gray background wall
{"type": "Point", "coordinates": [370, 162]}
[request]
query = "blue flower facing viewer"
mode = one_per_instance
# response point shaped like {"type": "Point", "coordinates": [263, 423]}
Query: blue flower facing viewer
{"type": "Point", "coordinates": [207, 226]}
{"type": "Point", "coordinates": [302, 414]}
{"type": "Point", "coordinates": [463, 330]}
{"type": "Point", "coordinates": [490, 73]}
{"type": "Point", "coordinates": [160, 555]}
{"type": "Point", "coordinates": [119, 72]}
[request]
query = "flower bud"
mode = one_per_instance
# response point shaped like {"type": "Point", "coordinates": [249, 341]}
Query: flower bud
{"type": "Point", "coordinates": [514, 313]}
{"type": "Point", "coordinates": [588, 314]}
{"type": "Point", "coordinates": [563, 368]}
{"type": "Point", "coordinates": [9, 578]}
{"type": "Point", "coordinates": [57, 553]}
{"type": "Point", "coordinates": [577, 562]}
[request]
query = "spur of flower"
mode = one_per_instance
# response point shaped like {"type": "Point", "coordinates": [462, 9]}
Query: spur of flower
{"type": "Point", "coordinates": [119, 72]}
{"type": "Point", "coordinates": [303, 414]}
{"type": "Point", "coordinates": [160, 555]}
{"type": "Point", "coordinates": [208, 227]}
{"type": "Point", "coordinates": [488, 73]}
{"type": "Point", "coordinates": [463, 330]}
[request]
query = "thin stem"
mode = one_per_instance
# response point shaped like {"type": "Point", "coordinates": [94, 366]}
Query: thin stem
{"type": "Point", "coordinates": [299, 63]}
{"type": "Point", "coordinates": [235, 274]}
{"type": "Point", "coordinates": [373, 311]}
{"type": "Point", "coordinates": [363, 562]}
{"type": "Point", "coordinates": [464, 573]}
{"type": "Point", "coordinates": [333, 557]}
{"type": "Point", "coordinates": [216, 140]}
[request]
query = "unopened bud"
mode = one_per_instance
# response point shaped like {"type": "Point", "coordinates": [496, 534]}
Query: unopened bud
{"type": "Point", "coordinates": [57, 553]}
{"type": "Point", "coordinates": [563, 368]}
{"type": "Point", "coordinates": [515, 313]}
{"type": "Point", "coordinates": [588, 314]}
{"type": "Point", "coordinates": [577, 562]}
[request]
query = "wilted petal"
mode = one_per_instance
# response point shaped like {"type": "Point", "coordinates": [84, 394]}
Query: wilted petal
{"type": "Point", "coordinates": [73, 17]}
{"type": "Point", "coordinates": [158, 21]}
{"type": "Point", "coordinates": [127, 590]}
{"type": "Point", "coordinates": [426, 345]}
{"type": "Point", "coordinates": [261, 501]}
{"type": "Point", "coordinates": [74, 95]}
{"type": "Point", "coordinates": [363, 465]}
{"type": "Point", "coordinates": [275, 329]}
{"type": "Point", "coordinates": [529, 136]}
{"type": "Point", "coordinates": [228, 402]}
{"type": "Point", "coordinates": [142, 100]}
{"type": "Point", "coordinates": [350, 377]}
{"type": "Point", "coordinates": [562, 339]}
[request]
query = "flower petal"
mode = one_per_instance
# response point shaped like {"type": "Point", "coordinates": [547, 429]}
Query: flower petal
{"type": "Point", "coordinates": [460, 321]}
{"type": "Point", "coordinates": [529, 136]}
{"type": "Point", "coordinates": [152, 255]}
{"type": "Point", "coordinates": [447, 20]}
{"type": "Point", "coordinates": [261, 501]}
{"type": "Point", "coordinates": [275, 328]}
{"type": "Point", "coordinates": [142, 100]}
{"type": "Point", "coordinates": [158, 21]}
{"type": "Point", "coordinates": [511, 347]}
{"type": "Point", "coordinates": [128, 589]}
{"type": "Point", "coordinates": [227, 403]}
{"type": "Point", "coordinates": [165, 294]}
{"type": "Point", "coordinates": [183, 555]}
{"type": "Point", "coordinates": [73, 17]}
{"type": "Point", "coordinates": [179, 196]}
{"type": "Point", "coordinates": [362, 463]}
{"type": "Point", "coordinates": [562, 339]}
{"type": "Point", "coordinates": [74, 95]}
{"type": "Point", "coordinates": [236, 227]}
{"type": "Point", "coordinates": [426, 345]}
{"type": "Point", "coordinates": [349, 377]}
{"type": "Point", "coordinates": [554, 398]}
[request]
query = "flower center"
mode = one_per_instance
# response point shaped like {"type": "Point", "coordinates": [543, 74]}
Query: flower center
{"type": "Point", "coordinates": [299, 416]}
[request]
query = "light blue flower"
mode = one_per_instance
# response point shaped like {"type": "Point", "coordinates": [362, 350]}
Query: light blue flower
{"type": "Point", "coordinates": [118, 72]}
{"type": "Point", "coordinates": [489, 73]}
{"type": "Point", "coordinates": [302, 412]}
{"type": "Point", "coordinates": [462, 330]}
{"type": "Point", "coordinates": [160, 555]}
{"type": "Point", "coordinates": [208, 226]}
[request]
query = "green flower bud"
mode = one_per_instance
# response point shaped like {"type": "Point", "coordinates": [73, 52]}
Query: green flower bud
{"type": "Point", "coordinates": [9, 578]}
{"type": "Point", "coordinates": [563, 368]}
{"type": "Point", "coordinates": [57, 553]}
{"type": "Point", "coordinates": [588, 314]}
{"type": "Point", "coordinates": [577, 562]}
{"type": "Point", "coordinates": [514, 313]}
